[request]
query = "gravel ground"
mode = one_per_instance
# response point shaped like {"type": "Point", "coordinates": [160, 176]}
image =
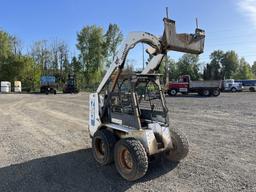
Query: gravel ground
{"type": "Point", "coordinates": [44, 146]}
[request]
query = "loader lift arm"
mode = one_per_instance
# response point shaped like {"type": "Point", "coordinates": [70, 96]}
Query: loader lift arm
{"type": "Point", "coordinates": [188, 43]}
{"type": "Point", "coordinates": [119, 61]}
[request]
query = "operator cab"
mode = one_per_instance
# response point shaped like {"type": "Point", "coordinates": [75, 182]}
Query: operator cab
{"type": "Point", "coordinates": [150, 99]}
{"type": "Point", "coordinates": [136, 101]}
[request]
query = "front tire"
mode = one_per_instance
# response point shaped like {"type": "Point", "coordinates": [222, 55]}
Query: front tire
{"type": "Point", "coordinates": [131, 159]}
{"type": "Point", "coordinates": [103, 143]}
{"type": "Point", "coordinates": [180, 146]}
{"type": "Point", "coordinates": [233, 90]}
{"type": "Point", "coordinates": [172, 92]}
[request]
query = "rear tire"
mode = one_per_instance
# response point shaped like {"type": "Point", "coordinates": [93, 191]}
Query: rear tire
{"type": "Point", "coordinates": [103, 143]}
{"type": "Point", "coordinates": [131, 159]}
{"type": "Point", "coordinates": [215, 92]}
{"type": "Point", "coordinates": [172, 92]}
{"type": "Point", "coordinates": [206, 93]}
{"type": "Point", "coordinates": [180, 146]}
{"type": "Point", "coordinates": [200, 93]}
{"type": "Point", "coordinates": [252, 89]}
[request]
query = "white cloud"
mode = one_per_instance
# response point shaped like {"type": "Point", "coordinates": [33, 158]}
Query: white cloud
{"type": "Point", "coordinates": [248, 8]}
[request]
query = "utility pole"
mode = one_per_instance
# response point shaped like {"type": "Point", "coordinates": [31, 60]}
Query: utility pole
{"type": "Point", "coordinates": [143, 56]}
{"type": "Point", "coordinates": [167, 69]}
{"type": "Point", "coordinates": [166, 58]}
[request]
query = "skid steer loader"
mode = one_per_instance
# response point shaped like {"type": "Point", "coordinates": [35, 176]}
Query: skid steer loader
{"type": "Point", "coordinates": [128, 117]}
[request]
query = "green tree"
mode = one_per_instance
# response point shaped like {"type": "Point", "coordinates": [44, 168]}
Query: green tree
{"type": "Point", "coordinates": [6, 46]}
{"type": "Point", "coordinates": [230, 63]}
{"type": "Point", "coordinates": [60, 63]}
{"type": "Point", "coordinates": [213, 70]}
{"type": "Point", "coordinates": [41, 54]}
{"type": "Point", "coordinates": [169, 66]}
{"type": "Point", "coordinates": [76, 69]}
{"type": "Point", "coordinates": [16, 45]}
{"type": "Point", "coordinates": [12, 63]}
{"type": "Point", "coordinates": [173, 70]}
{"type": "Point", "coordinates": [244, 70]}
{"type": "Point", "coordinates": [254, 69]}
{"type": "Point", "coordinates": [113, 38]}
{"type": "Point", "coordinates": [188, 64]}
{"type": "Point", "coordinates": [90, 43]}
{"type": "Point", "coordinates": [52, 58]}
{"type": "Point", "coordinates": [22, 68]}
{"type": "Point", "coordinates": [75, 65]}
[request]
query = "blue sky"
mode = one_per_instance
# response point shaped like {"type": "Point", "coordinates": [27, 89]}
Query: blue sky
{"type": "Point", "coordinates": [229, 24]}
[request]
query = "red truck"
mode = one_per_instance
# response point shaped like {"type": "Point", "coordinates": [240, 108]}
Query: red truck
{"type": "Point", "coordinates": [185, 86]}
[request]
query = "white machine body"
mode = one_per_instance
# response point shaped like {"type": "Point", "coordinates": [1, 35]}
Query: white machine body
{"type": "Point", "coordinates": [98, 102]}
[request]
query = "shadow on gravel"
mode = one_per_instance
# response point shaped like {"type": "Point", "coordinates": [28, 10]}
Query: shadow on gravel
{"type": "Point", "coordinates": [75, 171]}
{"type": "Point", "coordinates": [187, 96]}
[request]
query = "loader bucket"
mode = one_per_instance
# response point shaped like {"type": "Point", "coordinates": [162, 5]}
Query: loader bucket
{"type": "Point", "coordinates": [188, 43]}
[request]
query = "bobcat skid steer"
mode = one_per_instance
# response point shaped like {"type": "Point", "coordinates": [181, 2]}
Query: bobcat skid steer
{"type": "Point", "coordinates": [128, 117]}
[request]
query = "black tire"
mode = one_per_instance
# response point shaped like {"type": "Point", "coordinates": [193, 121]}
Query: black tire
{"type": "Point", "coordinates": [200, 93]}
{"type": "Point", "coordinates": [233, 89]}
{"type": "Point", "coordinates": [103, 143]}
{"type": "Point", "coordinates": [252, 89]}
{"type": "Point", "coordinates": [131, 159]}
{"type": "Point", "coordinates": [180, 146]}
{"type": "Point", "coordinates": [172, 92]}
{"type": "Point", "coordinates": [215, 92]}
{"type": "Point", "coordinates": [54, 92]}
{"type": "Point", "coordinates": [206, 92]}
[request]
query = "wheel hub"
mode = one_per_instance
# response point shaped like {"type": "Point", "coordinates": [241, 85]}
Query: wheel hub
{"type": "Point", "coordinates": [126, 160]}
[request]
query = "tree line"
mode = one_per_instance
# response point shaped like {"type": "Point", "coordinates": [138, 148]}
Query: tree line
{"type": "Point", "coordinates": [97, 49]}
{"type": "Point", "coordinates": [222, 65]}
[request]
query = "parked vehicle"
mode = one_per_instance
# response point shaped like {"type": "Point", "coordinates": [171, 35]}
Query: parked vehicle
{"type": "Point", "coordinates": [185, 86]}
{"type": "Point", "coordinates": [17, 86]}
{"type": "Point", "coordinates": [70, 85]}
{"type": "Point", "coordinates": [248, 85]}
{"type": "Point", "coordinates": [5, 87]}
{"type": "Point", "coordinates": [231, 85]}
{"type": "Point", "coordinates": [48, 84]}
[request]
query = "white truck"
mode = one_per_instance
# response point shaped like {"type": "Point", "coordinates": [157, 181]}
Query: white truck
{"type": "Point", "coordinates": [231, 85]}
